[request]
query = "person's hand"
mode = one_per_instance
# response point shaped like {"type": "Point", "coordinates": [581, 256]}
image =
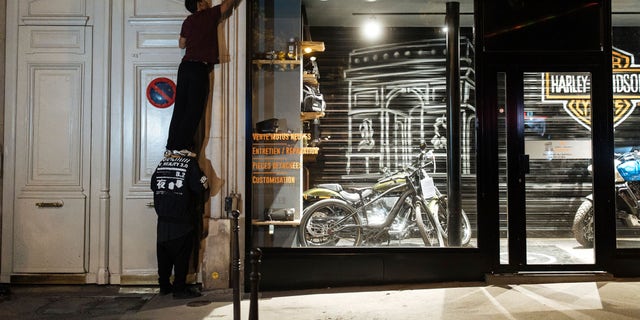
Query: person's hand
{"type": "Point", "coordinates": [227, 6]}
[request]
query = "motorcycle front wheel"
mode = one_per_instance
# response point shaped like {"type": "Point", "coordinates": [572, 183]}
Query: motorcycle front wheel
{"type": "Point", "coordinates": [439, 207]}
{"type": "Point", "coordinates": [330, 222]}
{"type": "Point", "coordinates": [431, 235]}
{"type": "Point", "coordinates": [583, 224]}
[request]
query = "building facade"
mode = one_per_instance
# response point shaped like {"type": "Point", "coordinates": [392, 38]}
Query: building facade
{"type": "Point", "coordinates": [314, 135]}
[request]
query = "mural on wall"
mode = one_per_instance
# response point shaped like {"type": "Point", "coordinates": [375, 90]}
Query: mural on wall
{"type": "Point", "coordinates": [384, 100]}
{"type": "Point", "coordinates": [397, 100]}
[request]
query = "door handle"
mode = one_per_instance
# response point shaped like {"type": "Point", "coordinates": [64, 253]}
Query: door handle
{"type": "Point", "coordinates": [57, 204]}
{"type": "Point", "coordinates": [524, 163]}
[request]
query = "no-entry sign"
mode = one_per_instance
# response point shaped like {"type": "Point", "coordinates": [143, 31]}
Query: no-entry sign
{"type": "Point", "coordinates": [161, 92]}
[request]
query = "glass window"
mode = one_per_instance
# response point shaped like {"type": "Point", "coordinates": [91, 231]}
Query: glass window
{"type": "Point", "coordinates": [544, 156]}
{"type": "Point", "coordinates": [626, 161]}
{"type": "Point", "coordinates": [373, 123]}
{"type": "Point", "coordinates": [277, 146]}
{"type": "Point", "coordinates": [557, 141]}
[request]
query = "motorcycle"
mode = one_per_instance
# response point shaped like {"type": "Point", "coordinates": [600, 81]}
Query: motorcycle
{"type": "Point", "coordinates": [627, 185]}
{"type": "Point", "coordinates": [401, 205]}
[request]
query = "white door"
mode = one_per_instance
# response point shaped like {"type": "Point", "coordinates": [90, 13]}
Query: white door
{"type": "Point", "coordinates": [151, 31]}
{"type": "Point", "coordinates": [53, 134]}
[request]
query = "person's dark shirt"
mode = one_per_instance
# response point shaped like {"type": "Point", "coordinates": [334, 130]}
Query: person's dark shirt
{"type": "Point", "coordinates": [200, 30]}
{"type": "Point", "coordinates": [178, 185]}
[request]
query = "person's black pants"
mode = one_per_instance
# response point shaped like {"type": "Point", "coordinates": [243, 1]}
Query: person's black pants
{"type": "Point", "coordinates": [192, 93]}
{"type": "Point", "coordinates": [174, 254]}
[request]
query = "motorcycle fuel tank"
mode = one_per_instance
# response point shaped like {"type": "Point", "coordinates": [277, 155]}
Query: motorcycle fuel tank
{"type": "Point", "coordinates": [630, 170]}
{"type": "Point", "coordinates": [390, 182]}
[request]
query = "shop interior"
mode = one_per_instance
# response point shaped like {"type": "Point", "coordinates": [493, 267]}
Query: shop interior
{"type": "Point", "coordinates": [373, 96]}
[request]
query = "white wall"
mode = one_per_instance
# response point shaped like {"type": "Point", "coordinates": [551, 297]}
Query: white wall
{"type": "Point", "coordinates": [113, 138]}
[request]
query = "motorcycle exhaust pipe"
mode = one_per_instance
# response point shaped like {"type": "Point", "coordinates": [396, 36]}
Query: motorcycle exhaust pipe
{"type": "Point", "coordinates": [630, 199]}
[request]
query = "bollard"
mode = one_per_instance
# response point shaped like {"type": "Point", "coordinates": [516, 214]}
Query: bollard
{"type": "Point", "coordinates": [235, 253]}
{"type": "Point", "coordinates": [228, 205]}
{"type": "Point", "coordinates": [256, 255]}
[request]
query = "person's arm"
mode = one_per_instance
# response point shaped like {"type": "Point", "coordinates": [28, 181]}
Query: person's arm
{"type": "Point", "coordinates": [182, 42]}
{"type": "Point", "coordinates": [227, 6]}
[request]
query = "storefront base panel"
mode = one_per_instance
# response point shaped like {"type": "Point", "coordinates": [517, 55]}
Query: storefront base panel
{"type": "Point", "coordinates": [49, 279]}
{"type": "Point", "coordinates": [311, 269]}
{"type": "Point", "coordinates": [626, 265]}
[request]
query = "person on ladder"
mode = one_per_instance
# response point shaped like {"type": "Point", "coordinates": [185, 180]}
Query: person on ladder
{"type": "Point", "coordinates": [199, 38]}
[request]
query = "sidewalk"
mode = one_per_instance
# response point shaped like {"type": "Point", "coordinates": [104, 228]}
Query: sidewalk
{"type": "Point", "coordinates": [617, 299]}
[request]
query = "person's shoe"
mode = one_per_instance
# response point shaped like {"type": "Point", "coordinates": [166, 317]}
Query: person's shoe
{"type": "Point", "coordinates": [165, 290]}
{"type": "Point", "coordinates": [186, 294]}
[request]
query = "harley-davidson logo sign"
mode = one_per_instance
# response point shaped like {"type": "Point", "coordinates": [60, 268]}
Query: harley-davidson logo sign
{"type": "Point", "coordinates": [574, 90]}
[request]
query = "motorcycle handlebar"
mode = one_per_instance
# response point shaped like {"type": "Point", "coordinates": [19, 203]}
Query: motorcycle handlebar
{"type": "Point", "coordinates": [416, 164]}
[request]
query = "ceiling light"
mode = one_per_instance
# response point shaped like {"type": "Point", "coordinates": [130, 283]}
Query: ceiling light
{"type": "Point", "coordinates": [372, 29]}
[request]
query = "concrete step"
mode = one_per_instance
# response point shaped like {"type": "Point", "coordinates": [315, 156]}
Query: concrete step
{"type": "Point", "coordinates": [529, 277]}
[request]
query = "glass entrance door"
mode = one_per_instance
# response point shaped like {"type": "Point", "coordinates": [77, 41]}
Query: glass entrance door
{"type": "Point", "coordinates": [546, 215]}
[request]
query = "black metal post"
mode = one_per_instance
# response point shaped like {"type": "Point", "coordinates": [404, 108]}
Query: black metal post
{"type": "Point", "coordinates": [256, 255]}
{"type": "Point", "coordinates": [453, 123]}
{"type": "Point", "coordinates": [228, 205]}
{"type": "Point", "coordinates": [235, 252]}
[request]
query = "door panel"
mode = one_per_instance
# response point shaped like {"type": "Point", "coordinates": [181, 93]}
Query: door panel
{"type": "Point", "coordinates": [558, 150]}
{"type": "Point", "coordinates": [151, 51]}
{"type": "Point", "coordinates": [49, 235]}
{"type": "Point", "coordinates": [544, 151]}
{"type": "Point", "coordinates": [52, 158]}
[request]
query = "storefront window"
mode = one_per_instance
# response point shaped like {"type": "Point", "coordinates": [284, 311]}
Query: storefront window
{"type": "Point", "coordinates": [278, 142]}
{"type": "Point", "coordinates": [626, 96]}
{"type": "Point", "coordinates": [370, 121]}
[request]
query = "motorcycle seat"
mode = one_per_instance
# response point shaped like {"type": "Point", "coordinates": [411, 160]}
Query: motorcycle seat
{"type": "Point", "coordinates": [331, 186]}
{"type": "Point", "coordinates": [357, 195]}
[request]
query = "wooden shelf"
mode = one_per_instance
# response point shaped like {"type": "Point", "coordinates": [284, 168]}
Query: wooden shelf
{"type": "Point", "coordinates": [275, 223]}
{"type": "Point", "coordinates": [310, 150]}
{"type": "Point", "coordinates": [305, 116]}
{"type": "Point", "coordinates": [309, 157]}
{"type": "Point", "coordinates": [312, 46]}
{"type": "Point", "coordinates": [310, 79]}
{"type": "Point", "coordinates": [309, 154]}
{"type": "Point", "coordinates": [285, 64]}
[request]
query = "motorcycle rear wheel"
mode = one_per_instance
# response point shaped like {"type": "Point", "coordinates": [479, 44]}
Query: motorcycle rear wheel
{"type": "Point", "coordinates": [330, 222]}
{"type": "Point", "coordinates": [583, 224]}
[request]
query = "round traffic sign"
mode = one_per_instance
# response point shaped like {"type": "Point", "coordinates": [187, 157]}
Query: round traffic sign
{"type": "Point", "coordinates": [161, 92]}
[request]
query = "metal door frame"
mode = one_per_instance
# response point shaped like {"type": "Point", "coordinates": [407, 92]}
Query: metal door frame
{"type": "Point", "coordinates": [601, 156]}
